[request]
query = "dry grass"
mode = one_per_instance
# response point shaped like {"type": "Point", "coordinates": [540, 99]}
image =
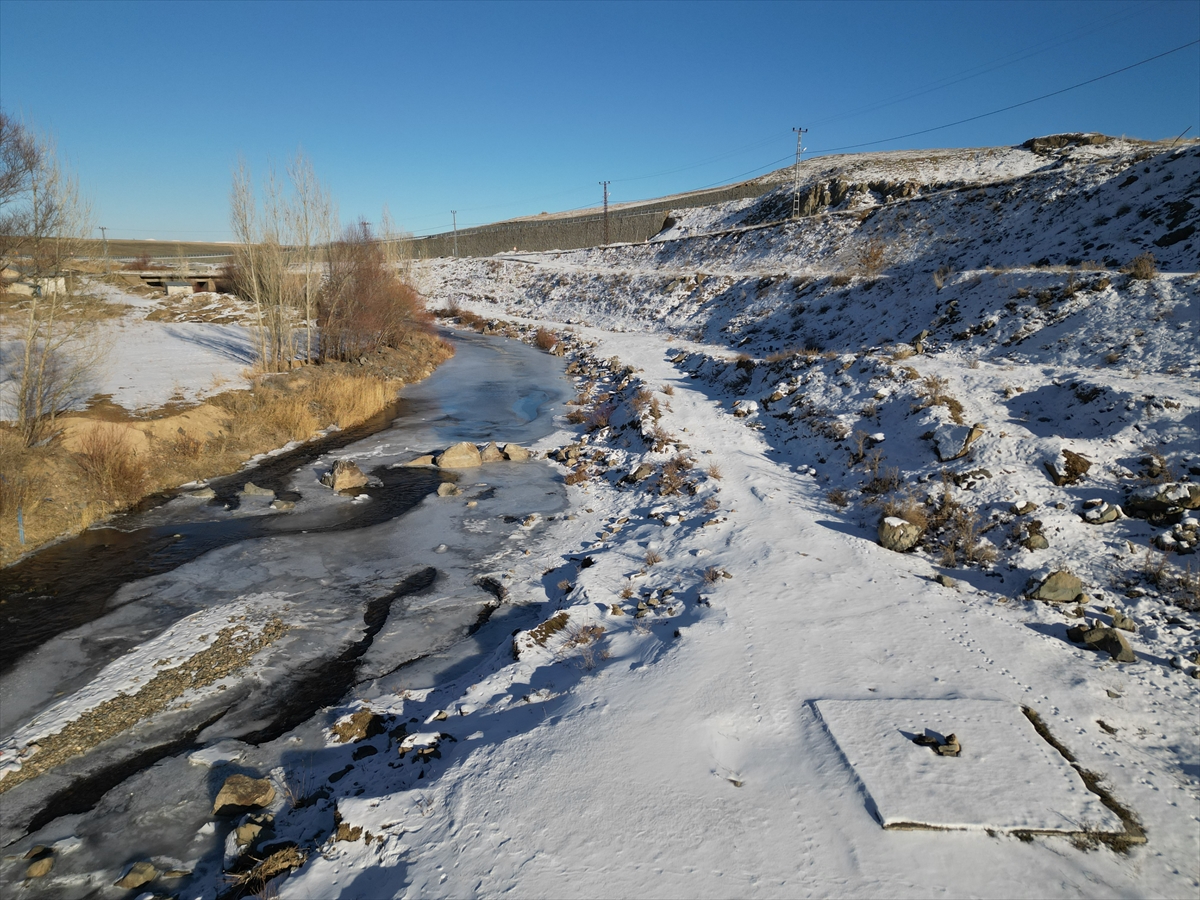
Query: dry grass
{"type": "Point", "coordinates": [111, 465]}
{"type": "Point", "coordinates": [653, 557]}
{"type": "Point", "coordinates": [714, 472]}
{"type": "Point", "coordinates": [934, 392]}
{"type": "Point", "coordinates": [1141, 268]}
{"type": "Point", "coordinates": [838, 497]}
{"type": "Point", "coordinates": [60, 492]}
{"type": "Point", "coordinates": [545, 340]}
{"type": "Point", "coordinates": [872, 258]}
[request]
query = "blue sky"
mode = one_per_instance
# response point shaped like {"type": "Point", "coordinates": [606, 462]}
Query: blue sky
{"type": "Point", "coordinates": [499, 110]}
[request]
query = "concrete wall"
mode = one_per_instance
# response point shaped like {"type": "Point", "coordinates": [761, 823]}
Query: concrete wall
{"type": "Point", "coordinates": [571, 232]}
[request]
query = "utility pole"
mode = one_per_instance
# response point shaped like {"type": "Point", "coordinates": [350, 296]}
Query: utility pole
{"type": "Point", "coordinates": [605, 184]}
{"type": "Point", "coordinates": [800, 132]}
{"type": "Point", "coordinates": [454, 213]}
{"type": "Point", "coordinates": [104, 235]}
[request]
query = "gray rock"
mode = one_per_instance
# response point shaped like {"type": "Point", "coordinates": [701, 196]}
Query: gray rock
{"type": "Point", "coordinates": [250, 489]}
{"type": "Point", "coordinates": [641, 473]}
{"type": "Point", "coordinates": [243, 792]}
{"type": "Point", "coordinates": [515, 452]}
{"type": "Point", "coordinates": [1024, 507]}
{"type": "Point", "coordinates": [1163, 499]}
{"type": "Point", "coordinates": [1036, 541]}
{"type": "Point", "coordinates": [1107, 640]}
{"type": "Point", "coordinates": [204, 493]}
{"type": "Point", "coordinates": [446, 489]}
{"type": "Point", "coordinates": [1058, 587]}
{"type": "Point", "coordinates": [1102, 514]}
{"type": "Point", "coordinates": [139, 873]}
{"type": "Point", "coordinates": [898, 534]}
{"type": "Point", "coordinates": [283, 505]}
{"type": "Point", "coordinates": [953, 441]}
{"type": "Point", "coordinates": [426, 460]}
{"type": "Point", "coordinates": [945, 580]}
{"type": "Point", "coordinates": [491, 453]}
{"type": "Point", "coordinates": [344, 476]}
{"type": "Point", "coordinates": [1122, 621]}
{"type": "Point", "coordinates": [463, 455]}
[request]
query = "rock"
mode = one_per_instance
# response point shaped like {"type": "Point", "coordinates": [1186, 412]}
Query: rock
{"type": "Point", "coordinates": [283, 504]}
{"type": "Point", "coordinates": [1058, 587]}
{"type": "Point", "coordinates": [1074, 469]}
{"type": "Point", "coordinates": [358, 726]}
{"type": "Point", "coordinates": [945, 580]}
{"type": "Point", "coordinates": [447, 489]}
{"type": "Point", "coordinates": [1102, 514]}
{"type": "Point", "coordinates": [1122, 621]}
{"type": "Point", "coordinates": [250, 489]}
{"type": "Point", "coordinates": [40, 867]}
{"type": "Point", "coordinates": [426, 460]}
{"type": "Point", "coordinates": [641, 473]}
{"type": "Point", "coordinates": [953, 441]}
{"type": "Point", "coordinates": [1036, 541]}
{"type": "Point", "coordinates": [491, 453]}
{"type": "Point", "coordinates": [139, 873]}
{"type": "Point", "coordinates": [898, 534]}
{"type": "Point", "coordinates": [1105, 639]}
{"type": "Point", "coordinates": [918, 342]}
{"type": "Point", "coordinates": [515, 452]}
{"type": "Point", "coordinates": [243, 792]}
{"type": "Point", "coordinates": [247, 833]}
{"type": "Point", "coordinates": [1024, 507]}
{"type": "Point", "coordinates": [952, 747]}
{"type": "Point", "coordinates": [204, 493]}
{"type": "Point", "coordinates": [344, 476]}
{"type": "Point", "coordinates": [463, 455]}
{"type": "Point", "coordinates": [1155, 500]}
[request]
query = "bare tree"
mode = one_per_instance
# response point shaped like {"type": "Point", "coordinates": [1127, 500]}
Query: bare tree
{"type": "Point", "coordinates": [312, 221]}
{"type": "Point", "coordinates": [260, 266]}
{"type": "Point", "coordinates": [52, 324]}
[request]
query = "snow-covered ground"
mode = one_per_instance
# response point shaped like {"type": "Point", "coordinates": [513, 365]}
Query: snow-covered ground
{"type": "Point", "coordinates": [723, 692]}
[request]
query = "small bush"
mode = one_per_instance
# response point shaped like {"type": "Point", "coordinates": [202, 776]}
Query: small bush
{"type": "Point", "coordinates": [653, 557]}
{"type": "Point", "coordinates": [838, 497]}
{"type": "Point", "coordinates": [111, 464]}
{"type": "Point", "coordinates": [1141, 268]}
{"type": "Point", "coordinates": [872, 258]}
{"type": "Point", "coordinates": [712, 575]}
{"type": "Point", "coordinates": [714, 472]}
{"type": "Point", "coordinates": [669, 390]}
{"type": "Point", "coordinates": [545, 340]}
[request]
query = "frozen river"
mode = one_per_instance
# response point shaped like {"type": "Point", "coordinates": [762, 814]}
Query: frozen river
{"type": "Point", "coordinates": [397, 589]}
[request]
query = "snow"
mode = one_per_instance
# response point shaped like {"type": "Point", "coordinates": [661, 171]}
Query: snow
{"type": "Point", "coordinates": [728, 720]}
{"type": "Point", "coordinates": [1006, 777]}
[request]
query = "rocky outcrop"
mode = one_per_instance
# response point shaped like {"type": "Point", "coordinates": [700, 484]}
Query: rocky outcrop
{"type": "Point", "coordinates": [491, 453]}
{"type": "Point", "coordinates": [358, 726]}
{"type": "Point", "coordinates": [1073, 469]}
{"type": "Point", "coordinates": [1158, 500]}
{"type": "Point", "coordinates": [139, 873]}
{"type": "Point", "coordinates": [250, 489]}
{"type": "Point", "coordinates": [1101, 513]}
{"type": "Point", "coordinates": [1105, 639]}
{"type": "Point", "coordinates": [516, 452]}
{"type": "Point", "coordinates": [953, 441]}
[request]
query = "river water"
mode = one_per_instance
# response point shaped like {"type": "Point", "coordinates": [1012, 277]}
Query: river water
{"type": "Point", "coordinates": [395, 588]}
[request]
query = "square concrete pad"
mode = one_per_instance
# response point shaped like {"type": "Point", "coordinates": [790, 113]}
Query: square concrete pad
{"type": "Point", "coordinates": [1007, 778]}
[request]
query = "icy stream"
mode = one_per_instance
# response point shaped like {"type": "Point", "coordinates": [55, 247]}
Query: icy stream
{"type": "Point", "coordinates": [396, 589]}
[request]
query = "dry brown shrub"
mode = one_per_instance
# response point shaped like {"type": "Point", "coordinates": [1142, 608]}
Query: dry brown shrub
{"type": "Point", "coordinates": [906, 507]}
{"type": "Point", "coordinates": [872, 258]}
{"type": "Point", "coordinates": [838, 497]}
{"type": "Point", "coordinates": [111, 464]}
{"type": "Point", "coordinates": [653, 557]}
{"type": "Point", "coordinates": [545, 340]}
{"type": "Point", "coordinates": [714, 472]}
{"type": "Point", "coordinates": [1141, 268]}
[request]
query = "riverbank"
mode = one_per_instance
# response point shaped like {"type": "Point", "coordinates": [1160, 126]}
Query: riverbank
{"type": "Point", "coordinates": [107, 459]}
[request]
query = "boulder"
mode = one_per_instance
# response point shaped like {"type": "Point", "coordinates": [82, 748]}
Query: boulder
{"type": "Point", "coordinates": [1122, 621]}
{"type": "Point", "coordinates": [243, 792]}
{"type": "Point", "coordinates": [139, 873]}
{"type": "Point", "coordinates": [515, 452]}
{"type": "Point", "coordinates": [1036, 541]}
{"type": "Point", "coordinates": [204, 493]}
{"type": "Point", "coordinates": [1105, 639]}
{"type": "Point", "coordinates": [283, 505]}
{"type": "Point", "coordinates": [1102, 514]}
{"type": "Point", "coordinates": [1163, 499]}
{"type": "Point", "coordinates": [358, 726]}
{"type": "Point", "coordinates": [1072, 470]}
{"type": "Point", "coordinates": [448, 489]}
{"type": "Point", "coordinates": [463, 455]}
{"type": "Point", "coordinates": [491, 453]}
{"type": "Point", "coordinates": [898, 534]}
{"type": "Point", "coordinates": [250, 489]}
{"type": "Point", "coordinates": [953, 441]}
{"type": "Point", "coordinates": [426, 460]}
{"type": "Point", "coordinates": [40, 867]}
{"type": "Point", "coordinates": [1024, 507]}
{"type": "Point", "coordinates": [1058, 587]}
{"type": "Point", "coordinates": [344, 476]}
{"type": "Point", "coordinates": [945, 580]}
{"type": "Point", "coordinates": [641, 473]}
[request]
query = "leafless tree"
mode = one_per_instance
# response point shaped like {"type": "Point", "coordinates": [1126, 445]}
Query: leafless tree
{"type": "Point", "coordinates": [312, 222]}
{"type": "Point", "coordinates": [260, 266]}
{"type": "Point", "coordinates": [49, 324]}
